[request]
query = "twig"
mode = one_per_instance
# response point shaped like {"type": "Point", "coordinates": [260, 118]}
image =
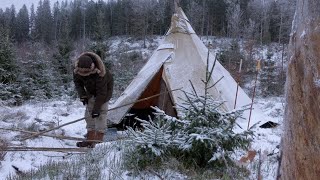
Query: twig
{"type": "Point", "coordinates": [216, 82]}
{"type": "Point", "coordinates": [155, 173]}
{"type": "Point", "coordinates": [17, 170]}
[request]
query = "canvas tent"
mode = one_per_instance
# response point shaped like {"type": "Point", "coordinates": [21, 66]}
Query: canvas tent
{"type": "Point", "coordinates": [180, 60]}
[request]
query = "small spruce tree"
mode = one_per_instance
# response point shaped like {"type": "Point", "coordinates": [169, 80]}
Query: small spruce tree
{"type": "Point", "coordinates": [204, 137]}
{"type": "Point", "coordinates": [271, 79]}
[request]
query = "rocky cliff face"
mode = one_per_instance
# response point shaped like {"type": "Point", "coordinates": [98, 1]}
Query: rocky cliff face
{"type": "Point", "coordinates": [301, 138]}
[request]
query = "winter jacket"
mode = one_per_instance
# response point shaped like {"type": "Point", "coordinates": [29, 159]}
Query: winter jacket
{"type": "Point", "coordinates": [99, 84]}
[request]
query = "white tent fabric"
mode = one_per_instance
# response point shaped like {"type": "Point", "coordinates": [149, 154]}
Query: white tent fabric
{"type": "Point", "coordinates": [184, 59]}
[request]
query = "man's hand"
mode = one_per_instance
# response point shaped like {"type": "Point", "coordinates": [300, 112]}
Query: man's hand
{"type": "Point", "coordinates": [84, 100]}
{"type": "Point", "coordinates": [95, 114]}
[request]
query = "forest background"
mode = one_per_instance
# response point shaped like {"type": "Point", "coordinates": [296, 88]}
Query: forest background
{"type": "Point", "coordinates": [38, 44]}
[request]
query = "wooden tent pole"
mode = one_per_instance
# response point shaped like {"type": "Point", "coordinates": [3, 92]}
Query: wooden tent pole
{"type": "Point", "coordinates": [238, 81]}
{"type": "Point", "coordinates": [43, 132]}
{"type": "Point", "coordinates": [254, 91]}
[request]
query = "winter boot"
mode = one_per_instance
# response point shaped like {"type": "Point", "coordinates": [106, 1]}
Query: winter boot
{"type": "Point", "coordinates": [90, 144]}
{"type": "Point", "coordinates": [99, 137]}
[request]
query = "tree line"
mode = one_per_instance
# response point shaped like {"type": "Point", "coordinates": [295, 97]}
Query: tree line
{"type": "Point", "coordinates": [262, 20]}
{"type": "Point", "coordinates": [38, 43]}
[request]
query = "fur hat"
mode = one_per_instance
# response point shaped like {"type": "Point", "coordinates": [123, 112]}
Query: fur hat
{"type": "Point", "coordinates": [85, 62]}
{"type": "Point", "coordinates": [85, 66]}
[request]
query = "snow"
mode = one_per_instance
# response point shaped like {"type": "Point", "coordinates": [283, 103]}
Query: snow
{"type": "Point", "coordinates": [266, 140]}
{"type": "Point", "coordinates": [45, 113]}
{"type": "Point", "coordinates": [36, 116]}
{"type": "Point", "coordinates": [317, 83]}
{"type": "Point", "coordinates": [303, 34]}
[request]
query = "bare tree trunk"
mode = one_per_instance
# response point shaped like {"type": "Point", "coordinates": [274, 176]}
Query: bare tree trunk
{"type": "Point", "coordinates": [301, 137]}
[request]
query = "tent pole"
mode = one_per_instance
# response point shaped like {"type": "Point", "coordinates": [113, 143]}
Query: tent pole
{"type": "Point", "coordinates": [43, 132]}
{"type": "Point", "coordinates": [238, 81]}
{"type": "Point", "coordinates": [254, 91]}
{"type": "Point", "coordinates": [176, 5]}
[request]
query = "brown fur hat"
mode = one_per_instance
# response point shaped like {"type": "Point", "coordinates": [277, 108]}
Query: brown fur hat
{"type": "Point", "coordinates": [86, 65]}
{"type": "Point", "coordinates": [85, 62]}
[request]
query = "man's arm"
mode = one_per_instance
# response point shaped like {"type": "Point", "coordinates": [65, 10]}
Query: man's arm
{"type": "Point", "coordinates": [79, 86]}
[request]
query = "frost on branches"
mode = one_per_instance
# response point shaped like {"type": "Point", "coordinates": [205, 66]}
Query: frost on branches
{"type": "Point", "coordinates": [204, 137]}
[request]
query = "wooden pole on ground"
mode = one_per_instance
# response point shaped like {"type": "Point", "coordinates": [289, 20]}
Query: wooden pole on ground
{"type": "Point", "coordinates": [72, 122]}
{"type": "Point", "coordinates": [16, 148]}
{"type": "Point", "coordinates": [48, 135]}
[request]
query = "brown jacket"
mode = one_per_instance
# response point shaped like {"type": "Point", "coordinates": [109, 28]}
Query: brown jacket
{"type": "Point", "coordinates": [99, 85]}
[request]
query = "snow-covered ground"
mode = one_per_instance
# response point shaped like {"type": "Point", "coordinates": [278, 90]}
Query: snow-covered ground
{"type": "Point", "coordinates": [42, 116]}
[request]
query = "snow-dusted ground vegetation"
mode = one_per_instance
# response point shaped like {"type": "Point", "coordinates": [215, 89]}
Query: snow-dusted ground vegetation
{"type": "Point", "coordinates": [105, 161]}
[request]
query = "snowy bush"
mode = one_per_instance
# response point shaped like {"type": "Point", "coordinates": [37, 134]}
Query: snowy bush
{"type": "Point", "coordinates": [203, 138]}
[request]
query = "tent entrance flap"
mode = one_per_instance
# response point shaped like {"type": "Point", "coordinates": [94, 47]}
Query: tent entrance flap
{"type": "Point", "coordinates": [164, 101]}
{"type": "Point", "coordinates": [143, 109]}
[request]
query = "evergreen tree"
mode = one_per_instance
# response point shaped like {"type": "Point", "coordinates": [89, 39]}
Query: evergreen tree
{"type": "Point", "coordinates": [100, 26]}
{"type": "Point", "coordinates": [275, 16]}
{"type": "Point", "coordinates": [230, 58]}
{"type": "Point", "coordinates": [22, 24]}
{"type": "Point", "coordinates": [76, 19]}
{"type": "Point", "coordinates": [65, 46]}
{"type": "Point", "coordinates": [12, 21]}
{"type": "Point", "coordinates": [32, 25]}
{"type": "Point", "coordinates": [56, 20]}
{"type": "Point", "coordinates": [90, 15]}
{"type": "Point", "coordinates": [7, 65]}
{"type": "Point", "coordinates": [271, 79]}
{"type": "Point", "coordinates": [44, 22]}
{"type": "Point", "coordinates": [203, 137]}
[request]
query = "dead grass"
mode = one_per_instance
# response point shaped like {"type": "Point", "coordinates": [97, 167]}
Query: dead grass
{"type": "Point", "coordinates": [13, 116]}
